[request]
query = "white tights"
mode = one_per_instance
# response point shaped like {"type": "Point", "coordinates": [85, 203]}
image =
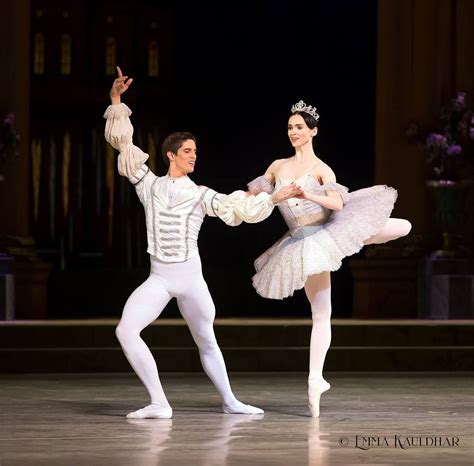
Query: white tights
{"type": "Point", "coordinates": [394, 228]}
{"type": "Point", "coordinates": [184, 281]}
{"type": "Point", "coordinates": [318, 292]}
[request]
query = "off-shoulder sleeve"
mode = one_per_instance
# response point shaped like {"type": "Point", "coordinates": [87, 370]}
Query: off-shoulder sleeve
{"type": "Point", "coordinates": [237, 207]}
{"type": "Point", "coordinates": [336, 187]}
{"type": "Point", "coordinates": [259, 185]}
{"type": "Point", "coordinates": [131, 160]}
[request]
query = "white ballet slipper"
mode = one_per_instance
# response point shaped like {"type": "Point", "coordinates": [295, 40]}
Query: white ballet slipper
{"type": "Point", "coordinates": [151, 412]}
{"type": "Point", "coordinates": [240, 408]}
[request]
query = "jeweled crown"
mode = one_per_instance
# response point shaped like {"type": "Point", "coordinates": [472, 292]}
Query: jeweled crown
{"type": "Point", "coordinates": [302, 107]}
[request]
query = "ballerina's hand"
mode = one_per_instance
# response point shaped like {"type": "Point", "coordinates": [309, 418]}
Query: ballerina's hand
{"type": "Point", "coordinates": [302, 194]}
{"type": "Point", "coordinates": [120, 85]}
{"type": "Point", "coordinates": [287, 192]}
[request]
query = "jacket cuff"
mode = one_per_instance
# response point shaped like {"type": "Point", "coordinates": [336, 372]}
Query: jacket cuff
{"type": "Point", "coordinates": [117, 111]}
{"type": "Point", "coordinates": [140, 174]}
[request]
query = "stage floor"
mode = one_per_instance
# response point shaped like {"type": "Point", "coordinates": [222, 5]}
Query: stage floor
{"type": "Point", "coordinates": [371, 418]}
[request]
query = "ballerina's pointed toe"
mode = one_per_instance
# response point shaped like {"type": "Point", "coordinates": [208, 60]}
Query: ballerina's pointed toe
{"type": "Point", "coordinates": [315, 389]}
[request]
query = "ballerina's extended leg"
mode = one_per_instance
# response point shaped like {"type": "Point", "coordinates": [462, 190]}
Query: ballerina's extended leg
{"type": "Point", "coordinates": [393, 229]}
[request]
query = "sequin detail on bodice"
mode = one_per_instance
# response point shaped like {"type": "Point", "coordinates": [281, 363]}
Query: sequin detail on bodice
{"type": "Point", "coordinates": [301, 213]}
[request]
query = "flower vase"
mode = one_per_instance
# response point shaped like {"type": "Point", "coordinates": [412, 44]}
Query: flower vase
{"type": "Point", "coordinates": [450, 214]}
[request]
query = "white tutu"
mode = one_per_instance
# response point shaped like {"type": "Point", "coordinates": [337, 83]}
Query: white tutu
{"type": "Point", "coordinates": [312, 249]}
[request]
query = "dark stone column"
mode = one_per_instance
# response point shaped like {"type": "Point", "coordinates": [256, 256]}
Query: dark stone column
{"type": "Point", "coordinates": [30, 274]}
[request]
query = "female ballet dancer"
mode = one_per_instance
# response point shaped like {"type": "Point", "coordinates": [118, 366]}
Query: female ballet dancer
{"type": "Point", "coordinates": [174, 210]}
{"type": "Point", "coordinates": [326, 223]}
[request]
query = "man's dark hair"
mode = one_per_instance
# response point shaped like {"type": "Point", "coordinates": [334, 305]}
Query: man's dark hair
{"type": "Point", "coordinates": [173, 142]}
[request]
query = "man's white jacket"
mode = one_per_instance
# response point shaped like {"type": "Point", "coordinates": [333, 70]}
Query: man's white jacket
{"type": "Point", "coordinates": [173, 222]}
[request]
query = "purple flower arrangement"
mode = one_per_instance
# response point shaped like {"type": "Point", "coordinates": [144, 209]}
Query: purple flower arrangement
{"type": "Point", "coordinates": [450, 147]}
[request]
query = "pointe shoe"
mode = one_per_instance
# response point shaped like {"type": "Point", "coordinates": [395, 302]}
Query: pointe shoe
{"type": "Point", "coordinates": [151, 412]}
{"type": "Point", "coordinates": [241, 408]}
{"type": "Point", "coordinates": [315, 389]}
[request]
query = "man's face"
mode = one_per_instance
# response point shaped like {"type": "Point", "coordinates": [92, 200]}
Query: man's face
{"type": "Point", "coordinates": [185, 159]}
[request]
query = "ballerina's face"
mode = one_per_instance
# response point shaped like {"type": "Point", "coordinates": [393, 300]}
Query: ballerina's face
{"type": "Point", "coordinates": [298, 131]}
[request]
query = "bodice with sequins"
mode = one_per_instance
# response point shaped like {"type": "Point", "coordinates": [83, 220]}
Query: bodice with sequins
{"type": "Point", "coordinates": [300, 213]}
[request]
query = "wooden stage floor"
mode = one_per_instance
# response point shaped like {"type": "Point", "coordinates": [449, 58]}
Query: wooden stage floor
{"type": "Point", "coordinates": [366, 418]}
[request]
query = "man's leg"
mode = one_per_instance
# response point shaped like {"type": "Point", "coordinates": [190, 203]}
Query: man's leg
{"type": "Point", "coordinates": [197, 308]}
{"type": "Point", "coordinates": [143, 306]}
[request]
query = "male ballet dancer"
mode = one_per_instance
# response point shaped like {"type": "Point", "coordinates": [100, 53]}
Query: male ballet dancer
{"type": "Point", "coordinates": [174, 209]}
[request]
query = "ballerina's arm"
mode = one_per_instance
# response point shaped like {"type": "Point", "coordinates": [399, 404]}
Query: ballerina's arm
{"type": "Point", "coordinates": [265, 182]}
{"type": "Point", "coordinates": [332, 200]}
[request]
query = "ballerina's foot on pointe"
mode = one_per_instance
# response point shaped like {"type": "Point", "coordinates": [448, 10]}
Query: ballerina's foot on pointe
{"type": "Point", "coordinates": [236, 407]}
{"type": "Point", "coordinates": [316, 388]}
{"type": "Point", "coordinates": [151, 412]}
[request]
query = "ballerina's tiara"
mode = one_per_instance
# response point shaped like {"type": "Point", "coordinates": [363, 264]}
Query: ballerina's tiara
{"type": "Point", "coordinates": [302, 107]}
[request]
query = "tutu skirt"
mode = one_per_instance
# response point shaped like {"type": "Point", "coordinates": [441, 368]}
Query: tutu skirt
{"type": "Point", "coordinates": [310, 250]}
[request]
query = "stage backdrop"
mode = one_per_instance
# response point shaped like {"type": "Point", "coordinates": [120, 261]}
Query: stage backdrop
{"type": "Point", "coordinates": [227, 74]}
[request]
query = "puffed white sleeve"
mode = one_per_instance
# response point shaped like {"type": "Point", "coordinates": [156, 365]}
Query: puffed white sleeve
{"type": "Point", "coordinates": [237, 207]}
{"type": "Point", "coordinates": [131, 160]}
